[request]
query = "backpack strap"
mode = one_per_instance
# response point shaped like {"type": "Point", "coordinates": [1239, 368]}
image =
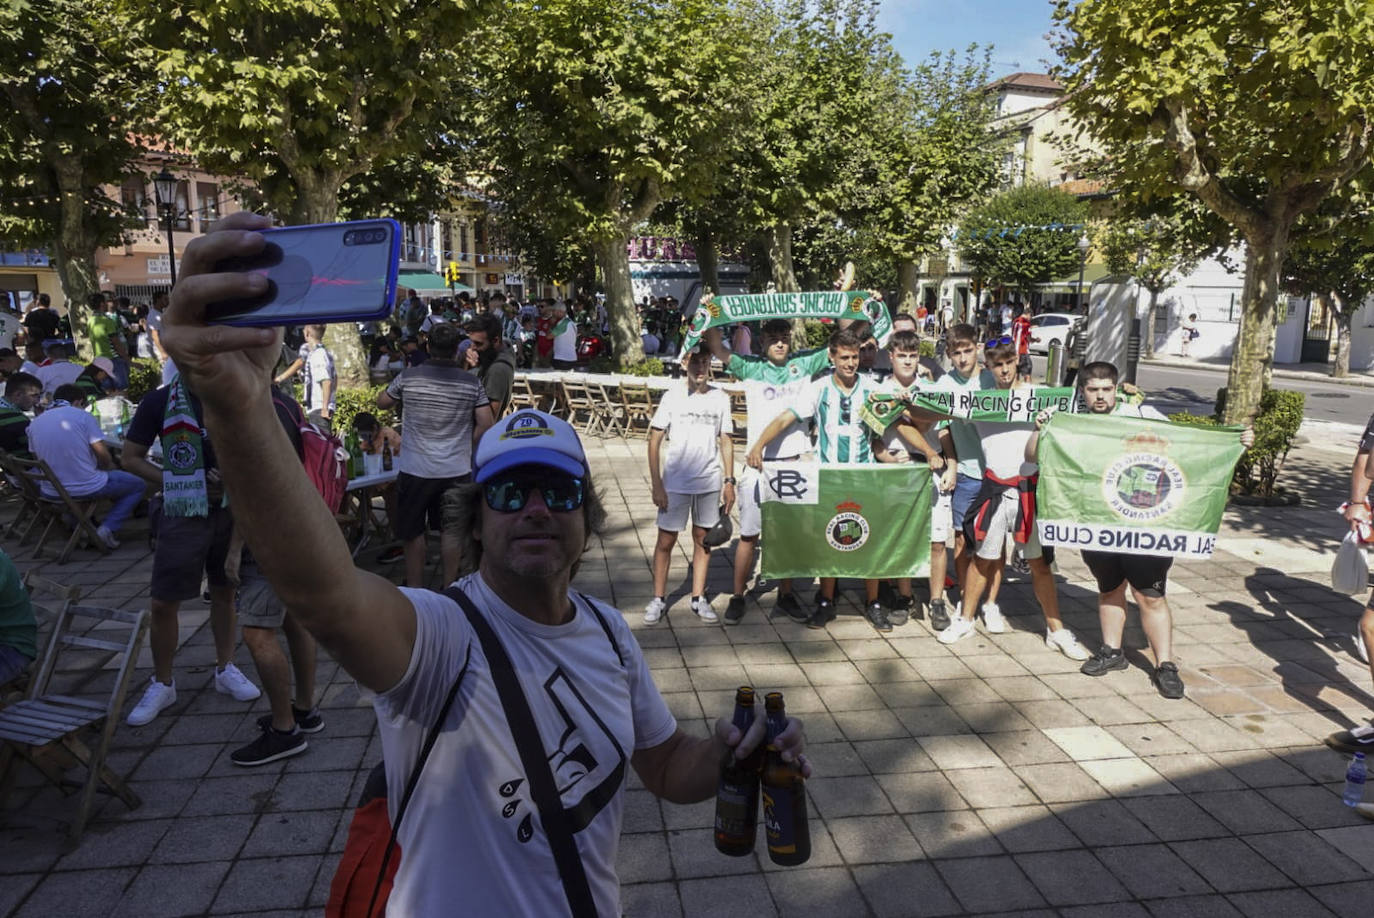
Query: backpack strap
{"type": "Point", "coordinates": [535, 761]}
{"type": "Point", "coordinates": [605, 626]}
{"type": "Point", "coordinates": [414, 779]}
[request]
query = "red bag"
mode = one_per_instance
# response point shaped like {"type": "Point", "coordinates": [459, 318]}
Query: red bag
{"type": "Point", "coordinates": [323, 455]}
{"type": "Point", "coordinates": [355, 880]}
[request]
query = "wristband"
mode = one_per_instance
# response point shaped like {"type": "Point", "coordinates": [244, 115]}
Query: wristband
{"type": "Point", "coordinates": [730, 480]}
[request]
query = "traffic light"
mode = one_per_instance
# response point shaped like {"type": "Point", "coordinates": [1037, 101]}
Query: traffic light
{"type": "Point", "coordinates": [451, 273]}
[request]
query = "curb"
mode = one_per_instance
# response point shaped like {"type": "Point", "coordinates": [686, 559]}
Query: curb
{"type": "Point", "coordinates": [1359, 380]}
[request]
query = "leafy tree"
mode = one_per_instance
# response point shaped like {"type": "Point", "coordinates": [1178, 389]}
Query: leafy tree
{"type": "Point", "coordinates": [1023, 237]}
{"type": "Point", "coordinates": [1156, 251]}
{"type": "Point", "coordinates": [67, 89]}
{"type": "Point", "coordinates": [1332, 257]}
{"type": "Point", "coordinates": [1260, 110]}
{"type": "Point", "coordinates": [603, 111]}
{"type": "Point", "coordinates": [302, 97]}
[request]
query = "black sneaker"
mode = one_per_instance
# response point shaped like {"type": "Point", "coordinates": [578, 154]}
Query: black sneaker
{"type": "Point", "coordinates": [824, 614]}
{"type": "Point", "coordinates": [788, 605]}
{"type": "Point", "coordinates": [900, 610]}
{"type": "Point", "coordinates": [1104, 661]}
{"type": "Point", "coordinates": [1356, 739]}
{"type": "Point", "coordinates": [939, 616]}
{"type": "Point", "coordinates": [735, 610]}
{"type": "Point", "coordinates": [306, 721]}
{"type": "Point", "coordinates": [1166, 679]}
{"type": "Point", "coordinates": [877, 617]}
{"type": "Point", "coordinates": [269, 747]}
{"type": "Point", "coordinates": [887, 595]}
{"type": "Point", "coordinates": [392, 555]}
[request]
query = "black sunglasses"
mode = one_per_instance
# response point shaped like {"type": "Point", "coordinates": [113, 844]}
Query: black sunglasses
{"type": "Point", "coordinates": [993, 342]}
{"type": "Point", "coordinates": [846, 402]}
{"type": "Point", "coordinates": [508, 493]}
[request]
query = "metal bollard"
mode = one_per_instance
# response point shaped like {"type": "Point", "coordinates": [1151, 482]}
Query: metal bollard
{"type": "Point", "coordinates": [1055, 364]}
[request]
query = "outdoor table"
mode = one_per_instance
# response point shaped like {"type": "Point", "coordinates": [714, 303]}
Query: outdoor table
{"type": "Point", "coordinates": [362, 489]}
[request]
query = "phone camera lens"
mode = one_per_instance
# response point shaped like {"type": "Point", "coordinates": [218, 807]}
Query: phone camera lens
{"type": "Point", "coordinates": [348, 239]}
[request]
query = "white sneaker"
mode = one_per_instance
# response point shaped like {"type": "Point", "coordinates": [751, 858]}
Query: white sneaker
{"type": "Point", "coordinates": [702, 607]}
{"type": "Point", "coordinates": [993, 620]}
{"type": "Point", "coordinates": [654, 611]}
{"type": "Point", "coordinates": [107, 537]}
{"type": "Point", "coordinates": [1361, 650]}
{"type": "Point", "coordinates": [155, 697]}
{"type": "Point", "coordinates": [1064, 642]}
{"type": "Point", "coordinates": [230, 681]}
{"type": "Point", "coordinates": [959, 627]}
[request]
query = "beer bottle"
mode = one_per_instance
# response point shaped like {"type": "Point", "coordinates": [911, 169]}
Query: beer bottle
{"type": "Point", "coordinates": [784, 795]}
{"type": "Point", "coordinates": [386, 456]}
{"type": "Point", "coordinates": [737, 795]}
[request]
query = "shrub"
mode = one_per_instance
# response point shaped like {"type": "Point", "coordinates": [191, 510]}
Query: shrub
{"type": "Point", "coordinates": [1276, 426]}
{"type": "Point", "coordinates": [145, 375]}
{"type": "Point", "coordinates": [602, 364]}
{"type": "Point", "coordinates": [927, 348]}
{"type": "Point", "coordinates": [817, 333]}
{"type": "Point", "coordinates": [651, 367]}
{"type": "Point", "coordinates": [350, 402]}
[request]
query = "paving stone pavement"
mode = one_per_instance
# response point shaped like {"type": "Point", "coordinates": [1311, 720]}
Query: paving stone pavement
{"type": "Point", "coordinates": [987, 777]}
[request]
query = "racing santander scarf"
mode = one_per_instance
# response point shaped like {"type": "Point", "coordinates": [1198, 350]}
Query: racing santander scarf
{"type": "Point", "coordinates": [760, 307]}
{"type": "Point", "coordinates": [183, 457]}
{"type": "Point", "coordinates": [1012, 406]}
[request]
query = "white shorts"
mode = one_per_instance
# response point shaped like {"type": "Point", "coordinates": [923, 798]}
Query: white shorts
{"type": "Point", "coordinates": [1000, 523]}
{"type": "Point", "coordinates": [941, 514]}
{"type": "Point", "coordinates": [704, 508]}
{"type": "Point", "coordinates": [747, 499]}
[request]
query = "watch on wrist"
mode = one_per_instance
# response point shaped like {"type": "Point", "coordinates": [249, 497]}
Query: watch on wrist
{"type": "Point", "coordinates": [730, 480]}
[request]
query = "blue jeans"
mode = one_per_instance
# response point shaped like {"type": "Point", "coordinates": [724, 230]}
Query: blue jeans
{"type": "Point", "coordinates": [126, 490]}
{"type": "Point", "coordinates": [12, 663]}
{"type": "Point", "coordinates": [965, 490]}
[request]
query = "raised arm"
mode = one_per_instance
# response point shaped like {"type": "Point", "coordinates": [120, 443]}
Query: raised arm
{"type": "Point", "coordinates": [714, 339]}
{"type": "Point", "coordinates": [366, 623]}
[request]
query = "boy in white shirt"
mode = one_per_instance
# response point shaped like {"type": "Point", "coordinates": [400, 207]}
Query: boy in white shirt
{"type": "Point", "coordinates": [700, 459]}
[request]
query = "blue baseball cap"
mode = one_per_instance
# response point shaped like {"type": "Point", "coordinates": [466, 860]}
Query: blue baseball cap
{"type": "Point", "coordinates": [529, 437]}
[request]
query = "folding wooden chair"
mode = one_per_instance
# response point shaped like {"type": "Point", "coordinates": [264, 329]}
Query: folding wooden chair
{"type": "Point", "coordinates": [608, 404]}
{"type": "Point", "coordinates": [739, 415]}
{"type": "Point", "coordinates": [521, 396]}
{"type": "Point", "coordinates": [579, 403]}
{"type": "Point", "coordinates": [47, 725]}
{"type": "Point", "coordinates": [33, 509]}
{"type": "Point", "coordinates": [62, 509]}
{"type": "Point", "coordinates": [639, 408]}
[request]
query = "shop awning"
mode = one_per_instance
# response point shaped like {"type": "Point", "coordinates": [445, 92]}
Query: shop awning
{"type": "Point", "coordinates": [427, 283]}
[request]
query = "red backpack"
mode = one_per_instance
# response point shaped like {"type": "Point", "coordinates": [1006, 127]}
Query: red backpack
{"type": "Point", "coordinates": [322, 454]}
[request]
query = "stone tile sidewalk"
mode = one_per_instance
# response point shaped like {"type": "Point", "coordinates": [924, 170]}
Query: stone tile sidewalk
{"type": "Point", "coordinates": [981, 778]}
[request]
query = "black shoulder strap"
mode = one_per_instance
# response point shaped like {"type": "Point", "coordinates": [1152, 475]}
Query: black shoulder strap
{"type": "Point", "coordinates": [535, 762]}
{"type": "Point", "coordinates": [605, 626]}
{"type": "Point", "coordinates": [414, 779]}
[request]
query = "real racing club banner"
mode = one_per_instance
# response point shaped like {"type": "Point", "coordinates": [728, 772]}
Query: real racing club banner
{"type": "Point", "coordinates": [760, 307]}
{"type": "Point", "coordinates": [848, 520]}
{"type": "Point", "coordinates": [1013, 406]}
{"type": "Point", "coordinates": [1122, 484]}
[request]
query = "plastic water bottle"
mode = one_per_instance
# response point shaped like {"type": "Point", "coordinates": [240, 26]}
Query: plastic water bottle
{"type": "Point", "coordinates": [1354, 780]}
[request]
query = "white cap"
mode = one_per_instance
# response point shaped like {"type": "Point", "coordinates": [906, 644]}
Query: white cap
{"type": "Point", "coordinates": [530, 437]}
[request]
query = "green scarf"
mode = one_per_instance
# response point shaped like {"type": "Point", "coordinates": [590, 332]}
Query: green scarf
{"type": "Point", "coordinates": [760, 307]}
{"type": "Point", "coordinates": [183, 457]}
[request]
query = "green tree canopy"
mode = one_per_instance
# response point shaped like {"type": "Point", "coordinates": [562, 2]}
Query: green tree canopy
{"type": "Point", "coordinates": [1259, 110]}
{"type": "Point", "coordinates": [1024, 236]}
{"type": "Point", "coordinates": [1332, 258]}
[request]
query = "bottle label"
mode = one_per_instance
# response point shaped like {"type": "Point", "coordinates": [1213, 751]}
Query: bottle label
{"type": "Point", "coordinates": [735, 808]}
{"type": "Point", "coordinates": [780, 820]}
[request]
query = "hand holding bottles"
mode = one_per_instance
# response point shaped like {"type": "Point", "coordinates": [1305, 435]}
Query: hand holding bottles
{"type": "Point", "coordinates": [791, 742]}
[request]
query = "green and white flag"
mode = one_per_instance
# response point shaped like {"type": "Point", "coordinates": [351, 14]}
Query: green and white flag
{"type": "Point", "coordinates": [1006, 405]}
{"type": "Point", "coordinates": [760, 307]}
{"type": "Point", "coordinates": [850, 520]}
{"type": "Point", "coordinates": [1110, 483]}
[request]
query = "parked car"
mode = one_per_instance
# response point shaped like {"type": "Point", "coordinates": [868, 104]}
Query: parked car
{"type": "Point", "coordinates": [1048, 328]}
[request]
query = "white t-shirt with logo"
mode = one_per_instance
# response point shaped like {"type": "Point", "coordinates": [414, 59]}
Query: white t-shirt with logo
{"type": "Point", "coordinates": [694, 422]}
{"type": "Point", "coordinates": [565, 340]}
{"type": "Point", "coordinates": [319, 366]}
{"type": "Point", "coordinates": [472, 837]}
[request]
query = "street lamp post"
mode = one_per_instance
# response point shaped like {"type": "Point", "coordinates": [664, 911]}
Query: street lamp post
{"type": "Point", "coordinates": [1083, 245]}
{"type": "Point", "coordinates": [165, 184]}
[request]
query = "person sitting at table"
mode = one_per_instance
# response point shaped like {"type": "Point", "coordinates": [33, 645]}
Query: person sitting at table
{"type": "Point", "coordinates": [373, 436]}
{"type": "Point", "coordinates": [21, 394]}
{"type": "Point", "coordinates": [97, 380]}
{"type": "Point", "coordinates": [59, 370]}
{"type": "Point", "coordinates": [69, 439]}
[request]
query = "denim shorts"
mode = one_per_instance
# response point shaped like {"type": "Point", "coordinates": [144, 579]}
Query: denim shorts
{"type": "Point", "coordinates": [965, 492]}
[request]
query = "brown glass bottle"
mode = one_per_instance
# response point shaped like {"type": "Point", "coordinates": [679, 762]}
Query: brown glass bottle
{"type": "Point", "coordinates": [737, 794]}
{"type": "Point", "coordinates": [386, 456]}
{"type": "Point", "coordinates": [784, 795]}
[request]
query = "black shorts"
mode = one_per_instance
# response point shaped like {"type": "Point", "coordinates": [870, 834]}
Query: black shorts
{"type": "Point", "coordinates": [1024, 367]}
{"type": "Point", "coordinates": [1147, 574]}
{"type": "Point", "coordinates": [420, 501]}
{"type": "Point", "coordinates": [188, 546]}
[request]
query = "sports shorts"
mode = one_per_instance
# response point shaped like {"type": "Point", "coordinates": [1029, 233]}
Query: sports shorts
{"type": "Point", "coordinates": [703, 508]}
{"type": "Point", "coordinates": [257, 603]}
{"type": "Point", "coordinates": [1148, 575]}
{"type": "Point", "coordinates": [187, 547]}
{"type": "Point", "coordinates": [941, 513]}
{"type": "Point", "coordinates": [1000, 525]}
{"type": "Point", "coordinates": [748, 497]}
{"type": "Point", "coordinates": [420, 503]}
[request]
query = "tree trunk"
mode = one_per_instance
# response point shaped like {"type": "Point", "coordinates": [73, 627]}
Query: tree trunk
{"type": "Point", "coordinates": [1253, 359]}
{"type": "Point", "coordinates": [613, 258]}
{"type": "Point", "coordinates": [908, 273]}
{"type": "Point", "coordinates": [708, 261]}
{"type": "Point", "coordinates": [780, 258]}
{"type": "Point", "coordinates": [317, 201]}
{"type": "Point", "coordinates": [1150, 323]}
{"type": "Point", "coordinates": [75, 252]}
{"type": "Point", "coordinates": [1341, 365]}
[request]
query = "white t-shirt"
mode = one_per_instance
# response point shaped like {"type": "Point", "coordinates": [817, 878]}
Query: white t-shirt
{"type": "Point", "coordinates": [9, 325]}
{"type": "Point", "coordinates": [694, 422]}
{"type": "Point", "coordinates": [460, 843]}
{"type": "Point", "coordinates": [565, 342]}
{"type": "Point", "coordinates": [1004, 448]}
{"type": "Point", "coordinates": [319, 366]}
{"type": "Point", "coordinates": [430, 321]}
{"type": "Point", "coordinates": [62, 438]}
{"type": "Point", "coordinates": [58, 373]}
{"type": "Point", "coordinates": [892, 441]}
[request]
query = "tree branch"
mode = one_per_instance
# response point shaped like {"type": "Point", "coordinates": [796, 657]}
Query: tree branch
{"type": "Point", "coordinates": [646, 199]}
{"type": "Point", "coordinates": [1190, 172]}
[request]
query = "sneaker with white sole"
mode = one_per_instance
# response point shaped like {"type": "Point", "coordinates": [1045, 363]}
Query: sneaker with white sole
{"type": "Point", "coordinates": [993, 619]}
{"type": "Point", "coordinates": [702, 607]}
{"type": "Point", "coordinates": [1356, 739]}
{"type": "Point", "coordinates": [231, 681]}
{"type": "Point", "coordinates": [107, 537]}
{"type": "Point", "coordinates": [270, 746]}
{"type": "Point", "coordinates": [655, 610]}
{"type": "Point", "coordinates": [1064, 642]}
{"type": "Point", "coordinates": [1360, 650]}
{"type": "Point", "coordinates": [959, 628]}
{"type": "Point", "coordinates": [156, 696]}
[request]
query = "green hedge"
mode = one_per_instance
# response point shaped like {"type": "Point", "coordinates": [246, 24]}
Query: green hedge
{"type": "Point", "coordinates": [145, 375]}
{"type": "Point", "coordinates": [349, 402]}
{"type": "Point", "coordinates": [927, 347]}
{"type": "Point", "coordinates": [817, 333]}
{"type": "Point", "coordinates": [1276, 426]}
{"type": "Point", "coordinates": [650, 367]}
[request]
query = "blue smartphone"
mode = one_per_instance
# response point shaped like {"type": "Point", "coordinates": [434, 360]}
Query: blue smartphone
{"type": "Point", "coordinates": [327, 272]}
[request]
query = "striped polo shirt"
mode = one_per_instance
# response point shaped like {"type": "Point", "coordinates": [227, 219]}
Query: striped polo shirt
{"type": "Point", "coordinates": [437, 399]}
{"type": "Point", "coordinates": [840, 435]}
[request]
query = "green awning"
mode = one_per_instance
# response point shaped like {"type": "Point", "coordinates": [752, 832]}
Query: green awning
{"type": "Point", "coordinates": [427, 283]}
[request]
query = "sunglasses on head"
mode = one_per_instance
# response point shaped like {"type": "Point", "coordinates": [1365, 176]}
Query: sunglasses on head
{"type": "Point", "coordinates": [994, 342]}
{"type": "Point", "coordinates": [509, 492]}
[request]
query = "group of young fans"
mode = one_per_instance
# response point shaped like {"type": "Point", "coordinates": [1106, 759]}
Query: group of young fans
{"type": "Point", "coordinates": [983, 476]}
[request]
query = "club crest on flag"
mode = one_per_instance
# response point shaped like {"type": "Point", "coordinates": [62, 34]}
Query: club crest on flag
{"type": "Point", "coordinates": [847, 529]}
{"type": "Point", "coordinates": [1144, 483]}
